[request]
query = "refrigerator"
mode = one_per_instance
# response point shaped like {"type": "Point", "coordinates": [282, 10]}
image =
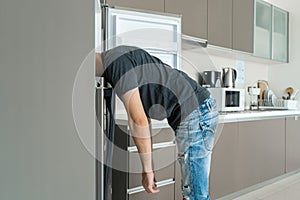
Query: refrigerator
{"type": "Point", "coordinates": [157, 33]}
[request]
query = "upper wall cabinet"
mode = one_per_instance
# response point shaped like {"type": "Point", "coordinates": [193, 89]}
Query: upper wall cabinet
{"type": "Point", "coordinates": [271, 32]}
{"type": "Point", "coordinates": [252, 26]}
{"type": "Point", "coordinates": [262, 29]}
{"type": "Point", "coordinates": [280, 35]}
{"type": "Point", "coordinates": [220, 23]}
{"type": "Point", "coordinates": [154, 5]}
{"type": "Point", "coordinates": [194, 16]}
{"type": "Point", "coordinates": [243, 21]}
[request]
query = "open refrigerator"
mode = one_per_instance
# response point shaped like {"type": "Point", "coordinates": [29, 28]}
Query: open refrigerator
{"type": "Point", "coordinates": [157, 33]}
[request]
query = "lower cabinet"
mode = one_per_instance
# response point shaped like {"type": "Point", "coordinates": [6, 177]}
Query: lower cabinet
{"type": "Point", "coordinates": [247, 153]}
{"type": "Point", "coordinates": [261, 151]}
{"type": "Point", "coordinates": [224, 158]}
{"type": "Point", "coordinates": [292, 143]}
{"type": "Point", "coordinates": [178, 194]}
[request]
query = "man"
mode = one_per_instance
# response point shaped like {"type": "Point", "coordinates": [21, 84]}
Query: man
{"type": "Point", "coordinates": [151, 89]}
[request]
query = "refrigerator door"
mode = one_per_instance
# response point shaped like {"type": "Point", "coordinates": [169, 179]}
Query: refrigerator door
{"type": "Point", "coordinates": [159, 34]}
{"type": "Point", "coordinates": [99, 107]}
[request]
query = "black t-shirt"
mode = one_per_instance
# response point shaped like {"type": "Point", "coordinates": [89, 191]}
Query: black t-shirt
{"type": "Point", "coordinates": [165, 92]}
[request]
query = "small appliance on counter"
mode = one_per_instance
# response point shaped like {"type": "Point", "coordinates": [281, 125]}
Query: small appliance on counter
{"type": "Point", "coordinates": [228, 99]}
{"type": "Point", "coordinates": [228, 77]}
{"type": "Point", "coordinates": [210, 79]}
{"type": "Point", "coordinates": [253, 97]}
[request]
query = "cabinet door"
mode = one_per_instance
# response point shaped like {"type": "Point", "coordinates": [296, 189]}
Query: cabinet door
{"type": "Point", "coordinates": [223, 164]}
{"type": "Point", "coordinates": [194, 16]}
{"type": "Point", "coordinates": [292, 144]}
{"type": "Point", "coordinates": [262, 29]}
{"type": "Point", "coordinates": [243, 23]}
{"type": "Point", "coordinates": [220, 23]}
{"type": "Point", "coordinates": [154, 5]}
{"type": "Point", "coordinates": [280, 35]}
{"type": "Point", "coordinates": [261, 151]}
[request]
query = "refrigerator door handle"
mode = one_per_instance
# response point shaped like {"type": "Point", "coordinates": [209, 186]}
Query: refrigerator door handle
{"type": "Point", "coordinates": [99, 89]}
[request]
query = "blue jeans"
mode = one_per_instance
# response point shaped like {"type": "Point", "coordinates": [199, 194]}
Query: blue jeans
{"type": "Point", "coordinates": [195, 140]}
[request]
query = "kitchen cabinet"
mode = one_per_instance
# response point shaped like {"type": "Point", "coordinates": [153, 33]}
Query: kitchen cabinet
{"type": "Point", "coordinates": [224, 158]}
{"type": "Point", "coordinates": [153, 5]}
{"type": "Point", "coordinates": [127, 168]}
{"type": "Point", "coordinates": [262, 29]}
{"type": "Point", "coordinates": [178, 194]}
{"type": "Point", "coordinates": [255, 27]}
{"type": "Point", "coordinates": [220, 23]}
{"type": "Point", "coordinates": [194, 16]}
{"type": "Point", "coordinates": [261, 151]}
{"type": "Point", "coordinates": [280, 34]}
{"type": "Point", "coordinates": [251, 26]}
{"type": "Point", "coordinates": [250, 152]}
{"type": "Point", "coordinates": [292, 143]}
{"type": "Point", "coordinates": [243, 23]}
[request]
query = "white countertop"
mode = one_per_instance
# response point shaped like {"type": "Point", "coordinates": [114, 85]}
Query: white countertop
{"type": "Point", "coordinates": [228, 117]}
{"type": "Point", "coordinates": [256, 115]}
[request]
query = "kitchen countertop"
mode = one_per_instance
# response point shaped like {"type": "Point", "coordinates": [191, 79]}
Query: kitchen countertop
{"type": "Point", "coordinates": [249, 115]}
{"type": "Point", "coordinates": [228, 117]}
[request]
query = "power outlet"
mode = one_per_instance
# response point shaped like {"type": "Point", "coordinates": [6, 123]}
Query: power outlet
{"type": "Point", "coordinates": [240, 71]}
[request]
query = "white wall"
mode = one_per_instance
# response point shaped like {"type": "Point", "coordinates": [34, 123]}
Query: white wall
{"type": "Point", "coordinates": [197, 59]}
{"type": "Point", "coordinates": [282, 76]}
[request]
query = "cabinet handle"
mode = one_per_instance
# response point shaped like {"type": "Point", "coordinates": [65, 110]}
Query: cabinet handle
{"type": "Point", "coordinates": [154, 146]}
{"type": "Point", "coordinates": [159, 185]}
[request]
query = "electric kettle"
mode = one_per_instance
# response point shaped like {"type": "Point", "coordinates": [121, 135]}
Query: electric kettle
{"type": "Point", "coordinates": [228, 76]}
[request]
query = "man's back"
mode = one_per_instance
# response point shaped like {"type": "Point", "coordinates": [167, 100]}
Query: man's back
{"type": "Point", "coordinates": [165, 92]}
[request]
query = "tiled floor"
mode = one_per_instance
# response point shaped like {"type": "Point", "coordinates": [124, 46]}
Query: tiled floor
{"type": "Point", "coordinates": [287, 188]}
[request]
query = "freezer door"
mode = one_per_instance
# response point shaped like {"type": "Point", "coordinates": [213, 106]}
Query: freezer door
{"type": "Point", "coordinates": [159, 34]}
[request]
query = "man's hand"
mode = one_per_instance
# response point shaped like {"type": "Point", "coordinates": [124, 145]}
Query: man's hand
{"type": "Point", "coordinates": [148, 182]}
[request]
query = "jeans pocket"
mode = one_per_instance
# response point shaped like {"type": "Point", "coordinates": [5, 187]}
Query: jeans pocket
{"type": "Point", "coordinates": [208, 137]}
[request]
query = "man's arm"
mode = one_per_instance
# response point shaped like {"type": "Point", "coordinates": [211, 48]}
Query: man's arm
{"type": "Point", "coordinates": [140, 131]}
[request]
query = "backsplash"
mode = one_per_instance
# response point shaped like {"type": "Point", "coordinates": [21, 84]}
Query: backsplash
{"type": "Point", "coordinates": [200, 59]}
{"type": "Point", "coordinates": [196, 59]}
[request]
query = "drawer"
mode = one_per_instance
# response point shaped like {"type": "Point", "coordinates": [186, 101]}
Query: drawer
{"type": "Point", "coordinates": [167, 191]}
{"type": "Point", "coordinates": [135, 179]}
{"type": "Point", "coordinates": [163, 156]}
{"type": "Point", "coordinates": [159, 135]}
